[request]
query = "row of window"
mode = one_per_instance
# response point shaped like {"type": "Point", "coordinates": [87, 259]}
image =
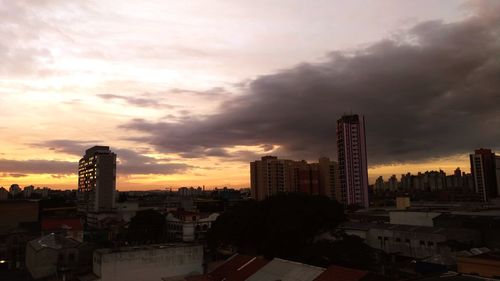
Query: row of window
{"type": "Point", "coordinates": [422, 243]}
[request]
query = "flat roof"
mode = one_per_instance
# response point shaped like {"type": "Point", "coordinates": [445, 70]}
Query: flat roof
{"type": "Point", "coordinates": [145, 248]}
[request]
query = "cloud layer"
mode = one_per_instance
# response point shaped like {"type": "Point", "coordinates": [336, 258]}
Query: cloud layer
{"type": "Point", "coordinates": [129, 161]}
{"type": "Point", "coordinates": [431, 91]}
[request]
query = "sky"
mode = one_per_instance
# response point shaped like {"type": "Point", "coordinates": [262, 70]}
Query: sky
{"type": "Point", "coordinates": [187, 93]}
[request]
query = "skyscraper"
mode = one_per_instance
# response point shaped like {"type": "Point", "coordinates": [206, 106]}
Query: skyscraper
{"type": "Point", "coordinates": [351, 145]}
{"type": "Point", "coordinates": [97, 180]}
{"type": "Point", "coordinates": [483, 165]}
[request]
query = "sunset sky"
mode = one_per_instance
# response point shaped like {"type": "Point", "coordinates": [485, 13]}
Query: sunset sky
{"type": "Point", "coordinates": [188, 92]}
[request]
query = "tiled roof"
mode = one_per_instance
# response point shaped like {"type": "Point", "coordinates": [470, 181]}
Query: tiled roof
{"type": "Point", "coordinates": [247, 270]}
{"type": "Point", "coordinates": [236, 268]}
{"type": "Point", "coordinates": [339, 273]}
{"type": "Point", "coordinates": [285, 270]}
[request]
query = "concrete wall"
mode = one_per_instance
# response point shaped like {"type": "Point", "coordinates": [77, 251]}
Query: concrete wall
{"type": "Point", "coordinates": [413, 218]}
{"type": "Point", "coordinates": [148, 264]}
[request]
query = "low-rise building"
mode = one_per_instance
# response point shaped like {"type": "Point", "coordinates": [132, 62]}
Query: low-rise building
{"type": "Point", "coordinates": [413, 241]}
{"type": "Point", "coordinates": [52, 255]}
{"type": "Point", "coordinates": [188, 226]}
{"type": "Point", "coordinates": [148, 263]}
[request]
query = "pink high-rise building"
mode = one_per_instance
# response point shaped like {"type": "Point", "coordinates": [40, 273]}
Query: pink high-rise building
{"type": "Point", "coordinates": [351, 145]}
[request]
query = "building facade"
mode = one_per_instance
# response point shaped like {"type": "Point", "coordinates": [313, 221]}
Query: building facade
{"type": "Point", "coordinates": [97, 180]}
{"type": "Point", "coordinates": [329, 178]}
{"type": "Point", "coordinates": [484, 171]}
{"type": "Point", "coordinates": [270, 176]}
{"type": "Point", "coordinates": [186, 226]}
{"type": "Point", "coordinates": [353, 167]}
{"type": "Point", "coordinates": [148, 263]}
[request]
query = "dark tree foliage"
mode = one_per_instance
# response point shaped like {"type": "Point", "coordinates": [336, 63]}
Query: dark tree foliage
{"type": "Point", "coordinates": [280, 226]}
{"type": "Point", "coordinates": [349, 251]}
{"type": "Point", "coordinates": [147, 227]}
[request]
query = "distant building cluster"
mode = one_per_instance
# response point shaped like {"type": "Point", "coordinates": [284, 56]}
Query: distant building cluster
{"type": "Point", "coordinates": [345, 180]}
{"type": "Point", "coordinates": [482, 183]}
{"type": "Point", "coordinates": [427, 181]}
{"type": "Point", "coordinates": [28, 192]}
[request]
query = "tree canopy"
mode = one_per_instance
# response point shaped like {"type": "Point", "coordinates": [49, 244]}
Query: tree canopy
{"type": "Point", "coordinates": [279, 226]}
{"type": "Point", "coordinates": [146, 227]}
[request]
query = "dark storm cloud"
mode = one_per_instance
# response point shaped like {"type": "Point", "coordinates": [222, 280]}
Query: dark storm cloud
{"type": "Point", "coordinates": [37, 167]}
{"type": "Point", "coordinates": [129, 161]}
{"type": "Point", "coordinates": [433, 91]}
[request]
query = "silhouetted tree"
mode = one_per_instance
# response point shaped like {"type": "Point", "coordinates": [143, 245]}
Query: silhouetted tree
{"type": "Point", "coordinates": [147, 227]}
{"type": "Point", "coordinates": [279, 226]}
{"type": "Point", "coordinates": [348, 250]}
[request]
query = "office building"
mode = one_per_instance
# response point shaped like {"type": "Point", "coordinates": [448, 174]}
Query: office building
{"type": "Point", "coordinates": [97, 180]}
{"type": "Point", "coordinates": [351, 145]}
{"type": "Point", "coordinates": [483, 165]}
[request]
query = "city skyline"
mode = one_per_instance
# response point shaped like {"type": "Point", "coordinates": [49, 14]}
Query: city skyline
{"type": "Point", "coordinates": [178, 112]}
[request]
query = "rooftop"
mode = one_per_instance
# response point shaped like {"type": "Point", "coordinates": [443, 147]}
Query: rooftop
{"type": "Point", "coordinates": [53, 241]}
{"type": "Point", "coordinates": [144, 248]}
{"type": "Point", "coordinates": [339, 273]}
{"type": "Point", "coordinates": [405, 228]}
{"type": "Point", "coordinates": [237, 267]}
{"type": "Point", "coordinates": [285, 270]}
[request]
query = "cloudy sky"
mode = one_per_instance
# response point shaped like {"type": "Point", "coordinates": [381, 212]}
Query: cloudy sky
{"type": "Point", "coordinates": [188, 92]}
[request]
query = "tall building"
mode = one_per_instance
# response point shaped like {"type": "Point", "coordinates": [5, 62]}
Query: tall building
{"type": "Point", "coordinates": [271, 175]}
{"type": "Point", "coordinates": [97, 180]}
{"type": "Point", "coordinates": [351, 145]}
{"type": "Point", "coordinates": [329, 178]}
{"type": "Point", "coordinates": [485, 172]}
